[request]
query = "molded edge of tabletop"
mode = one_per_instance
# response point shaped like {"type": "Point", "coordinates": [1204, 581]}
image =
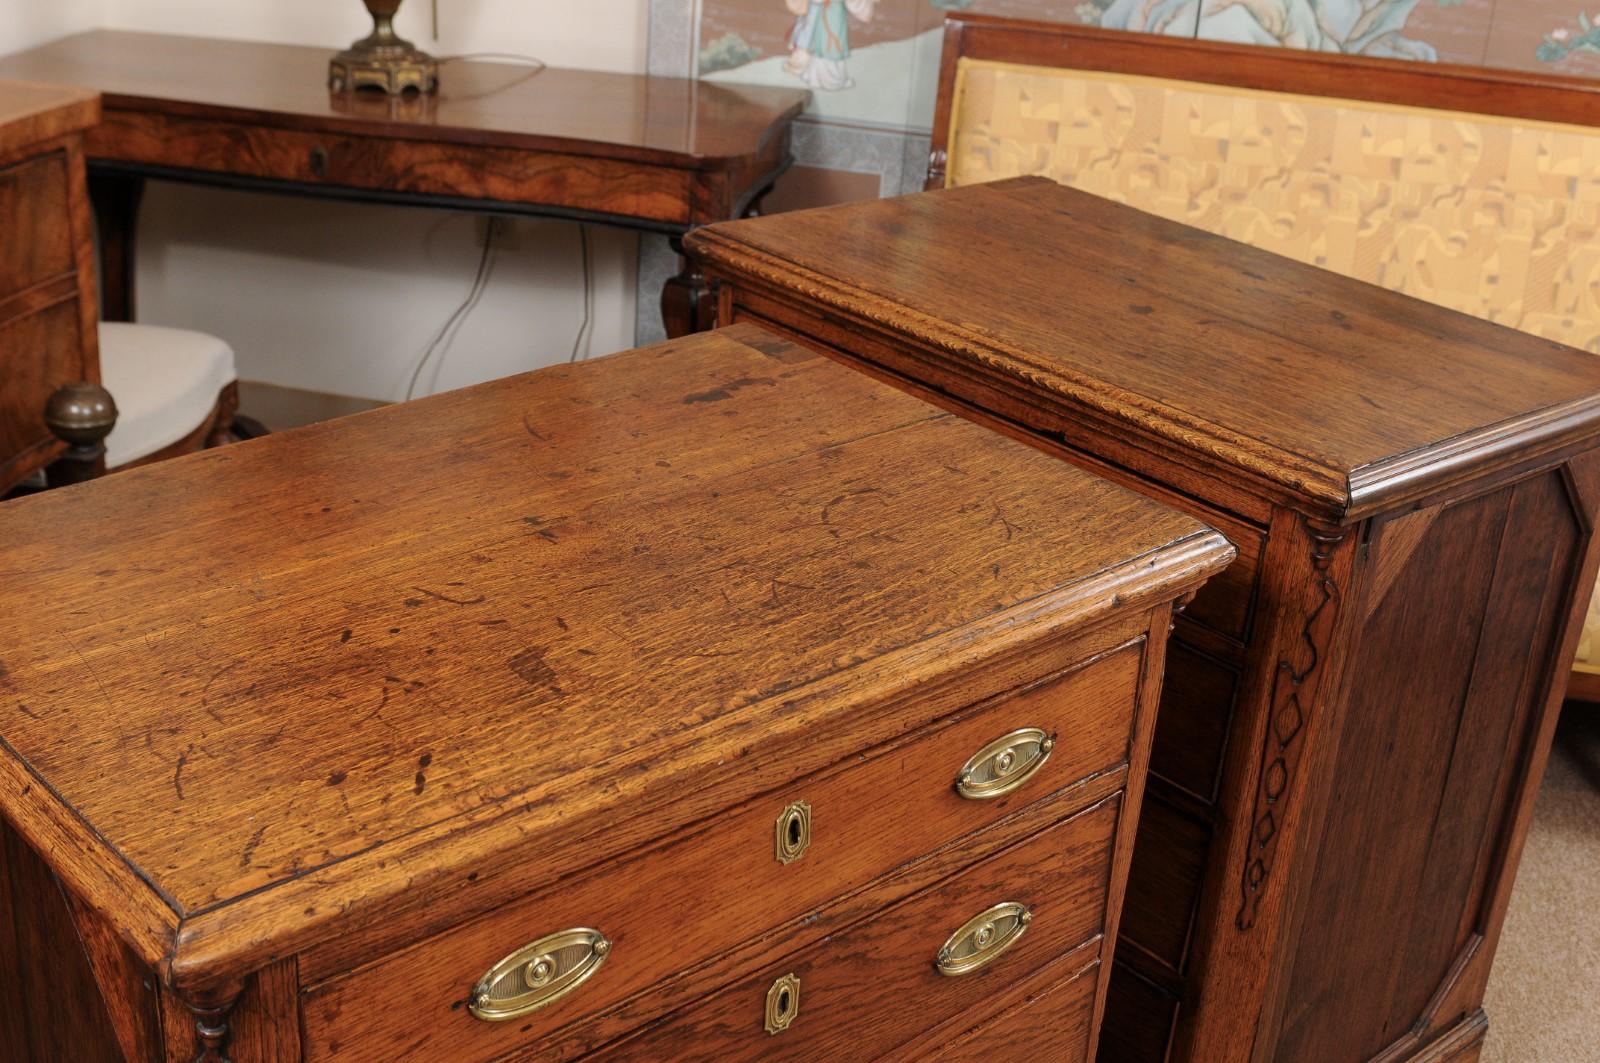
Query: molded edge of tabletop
{"type": "Point", "coordinates": [32, 112]}
{"type": "Point", "coordinates": [376, 126]}
{"type": "Point", "coordinates": [1326, 490]}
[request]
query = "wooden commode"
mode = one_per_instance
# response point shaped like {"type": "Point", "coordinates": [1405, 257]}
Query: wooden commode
{"type": "Point", "coordinates": [711, 701]}
{"type": "Point", "coordinates": [1358, 711]}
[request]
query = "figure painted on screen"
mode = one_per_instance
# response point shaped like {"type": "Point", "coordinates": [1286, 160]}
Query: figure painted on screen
{"type": "Point", "coordinates": [819, 43]}
{"type": "Point", "coordinates": [1355, 27]}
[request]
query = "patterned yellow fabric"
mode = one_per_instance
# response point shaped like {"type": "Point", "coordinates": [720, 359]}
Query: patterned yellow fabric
{"type": "Point", "coordinates": [1493, 217]}
{"type": "Point", "coordinates": [1588, 657]}
{"type": "Point", "coordinates": [1496, 218]}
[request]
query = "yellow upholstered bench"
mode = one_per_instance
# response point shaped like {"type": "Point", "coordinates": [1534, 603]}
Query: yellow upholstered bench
{"type": "Point", "coordinates": [1473, 189]}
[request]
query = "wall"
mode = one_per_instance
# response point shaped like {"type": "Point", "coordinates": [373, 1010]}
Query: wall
{"type": "Point", "coordinates": [344, 298]}
{"type": "Point", "coordinates": [25, 23]}
{"type": "Point", "coordinates": [873, 107]}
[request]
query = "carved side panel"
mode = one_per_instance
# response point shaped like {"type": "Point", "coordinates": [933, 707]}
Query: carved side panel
{"type": "Point", "coordinates": [1449, 681]}
{"type": "Point", "coordinates": [1277, 750]}
{"type": "Point", "coordinates": [53, 1005]}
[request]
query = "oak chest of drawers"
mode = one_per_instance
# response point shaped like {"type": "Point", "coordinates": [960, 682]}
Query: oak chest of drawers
{"type": "Point", "coordinates": [48, 315]}
{"type": "Point", "coordinates": [1358, 710]}
{"type": "Point", "coordinates": [708, 701]}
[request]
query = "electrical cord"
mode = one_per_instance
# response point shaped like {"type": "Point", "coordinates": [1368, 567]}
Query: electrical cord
{"type": "Point", "coordinates": [534, 65]}
{"type": "Point", "coordinates": [587, 325]}
{"type": "Point", "coordinates": [497, 57]}
{"type": "Point", "coordinates": [446, 334]}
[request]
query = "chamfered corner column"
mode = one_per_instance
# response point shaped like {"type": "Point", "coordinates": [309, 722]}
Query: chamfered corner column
{"type": "Point", "coordinates": [1280, 751]}
{"type": "Point", "coordinates": [116, 199]}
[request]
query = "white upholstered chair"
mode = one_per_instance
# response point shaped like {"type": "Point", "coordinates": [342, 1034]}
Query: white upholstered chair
{"type": "Point", "coordinates": [175, 391]}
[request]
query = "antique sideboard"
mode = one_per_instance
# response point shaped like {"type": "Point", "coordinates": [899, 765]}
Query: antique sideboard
{"type": "Point", "coordinates": [1357, 713]}
{"type": "Point", "coordinates": [710, 701]}
{"type": "Point", "coordinates": [653, 154]}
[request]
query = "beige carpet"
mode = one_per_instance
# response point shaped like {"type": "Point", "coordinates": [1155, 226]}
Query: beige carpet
{"type": "Point", "coordinates": [1544, 994]}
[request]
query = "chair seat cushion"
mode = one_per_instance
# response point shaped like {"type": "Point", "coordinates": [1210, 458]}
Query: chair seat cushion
{"type": "Point", "coordinates": [165, 382]}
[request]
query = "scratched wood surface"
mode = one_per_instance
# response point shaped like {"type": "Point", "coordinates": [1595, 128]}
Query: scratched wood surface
{"type": "Point", "coordinates": [462, 624]}
{"type": "Point", "coordinates": [1297, 383]}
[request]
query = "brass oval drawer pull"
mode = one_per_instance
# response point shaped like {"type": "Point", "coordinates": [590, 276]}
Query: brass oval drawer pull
{"type": "Point", "coordinates": [538, 974]}
{"type": "Point", "coordinates": [1004, 764]}
{"type": "Point", "coordinates": [982, 939]}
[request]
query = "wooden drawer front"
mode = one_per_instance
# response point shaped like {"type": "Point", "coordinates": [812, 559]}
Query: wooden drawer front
{"type": "Point", "coordinates": [1227, 601]}
{"type": "Point", "coordinates": [874, 986]}
{"type": "Point", "coordinates": [699, 895]}
{"type": "Point", "coordinates": [34, 224]}
{"type": "Point", "coordinates": [550, 179]}
{"type": "Point", "coordinates": [1169, 857]}
{"type": "Point", "coordinates": [1053, 1025]}
{"type": "Point", "coordinates": [38, 353]}
{"type": "Point", "coordinates": [1192, 728]}
{"type": "Point", "coordinates": [1139, 1018]}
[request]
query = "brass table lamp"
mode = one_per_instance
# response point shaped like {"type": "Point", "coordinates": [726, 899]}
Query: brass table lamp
{"type": "Point", "coordinates": [383, 59]}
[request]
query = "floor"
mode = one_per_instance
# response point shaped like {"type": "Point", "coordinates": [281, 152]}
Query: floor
{"type": "Point", "coordinates": [1544, 995]}
{"type": "Point", "coordinates": [280, 407]}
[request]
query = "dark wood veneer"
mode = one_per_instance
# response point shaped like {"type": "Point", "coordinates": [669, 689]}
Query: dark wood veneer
{"type": "Point", "coordinates": [652, 153]}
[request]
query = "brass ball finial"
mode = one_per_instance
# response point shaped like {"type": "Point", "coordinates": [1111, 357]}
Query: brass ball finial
{"type": "Point", "coordinates": [81, 413]}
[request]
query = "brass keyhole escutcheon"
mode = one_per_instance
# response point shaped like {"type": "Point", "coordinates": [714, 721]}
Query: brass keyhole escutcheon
{"type": "Point", "coordinates": [793, 832]}
{"type": "Point", "coordinates": [783, 1003]}
{"type": "Point", "coordinates": [319, 162]}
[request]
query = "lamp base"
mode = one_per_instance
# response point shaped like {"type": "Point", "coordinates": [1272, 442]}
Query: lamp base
{"type": "Point", "coordinates": [383, 62]}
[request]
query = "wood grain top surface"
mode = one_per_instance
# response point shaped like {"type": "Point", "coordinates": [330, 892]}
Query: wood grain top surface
{"type": "Point", "coordinates": [444, 627]}
{"type": "Point", "coordinates": [1335, 392]}
{"type": "Point", "coordinates": [30, 113]}
{"type": "Point", "coordinates": [680, 120]}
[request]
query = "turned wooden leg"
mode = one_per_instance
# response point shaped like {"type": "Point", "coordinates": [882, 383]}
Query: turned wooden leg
{"type": "Point", "coordinates": [753, 208]}
{"type": "Point", "coordinates": [116, 213]}
{"type": "Point", "coordinates": [222, 420]}
{"type": "Point", "coordinates": [686, 303]}
{"type": "Point", "coordinates": [211, 1032]}
{"type": "Point", "coordinates": [80, 415]}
